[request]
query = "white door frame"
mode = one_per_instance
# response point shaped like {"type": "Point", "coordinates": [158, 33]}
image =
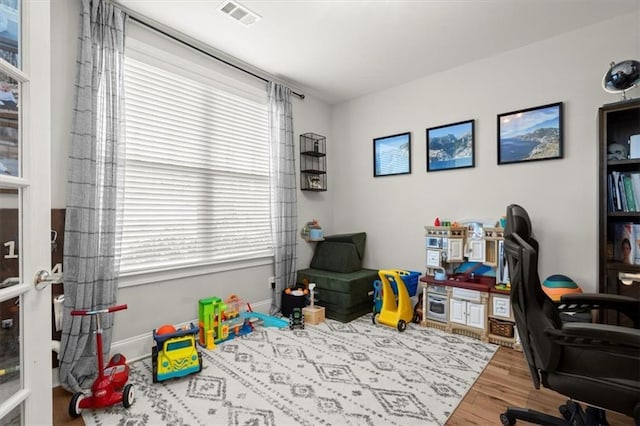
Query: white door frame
{"type": "Point", "coordinates": [35, 217]}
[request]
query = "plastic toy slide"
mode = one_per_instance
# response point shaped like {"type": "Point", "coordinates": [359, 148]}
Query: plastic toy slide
{"type": "Point", "coordinates": [267, 320]}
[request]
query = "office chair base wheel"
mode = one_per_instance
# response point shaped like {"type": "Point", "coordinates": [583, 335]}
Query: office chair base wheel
{"type": "Point", "coordinates": [575, 415]}
{"type": "Point", "coordinates": [595, 416]}
{"type": "Point", "coordinates": [565, 411]}
{"type": "Point", "coordinates": [506, 420]}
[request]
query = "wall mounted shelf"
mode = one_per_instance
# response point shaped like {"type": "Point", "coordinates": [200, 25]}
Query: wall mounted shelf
{"type": "Point", "coordinates": [313, 162]}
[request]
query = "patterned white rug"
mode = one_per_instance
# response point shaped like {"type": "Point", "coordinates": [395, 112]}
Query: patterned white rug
{"type": "Point", "coordinates": [329, 374]}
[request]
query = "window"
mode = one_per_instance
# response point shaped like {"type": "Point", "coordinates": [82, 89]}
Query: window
{"type": "Point", "coordinates": [196, 179]}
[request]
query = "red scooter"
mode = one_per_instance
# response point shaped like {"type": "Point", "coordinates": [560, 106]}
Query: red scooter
{"type": "Point", "coordinates": [110, 386]}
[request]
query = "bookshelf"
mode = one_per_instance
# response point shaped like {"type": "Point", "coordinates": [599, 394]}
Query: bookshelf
{"type": "Point", "coordinates": [618, 211]}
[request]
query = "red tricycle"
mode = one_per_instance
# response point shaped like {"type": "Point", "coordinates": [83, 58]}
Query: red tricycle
{"type": "Point", "coordinates": [110, 386]}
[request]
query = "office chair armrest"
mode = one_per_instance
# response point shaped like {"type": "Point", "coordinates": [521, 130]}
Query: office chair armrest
{"type": "Point", "coordinates": [609, 338]}
{"type": "Point", "coordinates": [599, 299]}
{"type": "Point", "coordinates": [628, 306]}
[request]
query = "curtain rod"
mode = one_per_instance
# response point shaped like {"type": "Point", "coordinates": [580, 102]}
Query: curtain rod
{"type": "Point", "coordinates": [204, 52]}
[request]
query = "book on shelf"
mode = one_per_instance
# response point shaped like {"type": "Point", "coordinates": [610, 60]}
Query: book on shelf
{"type": "Point", "coordinates": [612, 198]}
{"type": "Point", "coordinates": [623, 192]}
{"type": "Point", "coordinates": [636, 244]}
{"type": "Point", "coordinates": [625, 242]}
{"type": "Point", "coordinates": [618, 192]}
{"type": "Point", "coordinates": [628, 192]}
{"type": "Point", "coordinates": [635, 183]}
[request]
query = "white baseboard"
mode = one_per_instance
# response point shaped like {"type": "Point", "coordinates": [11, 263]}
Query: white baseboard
{"type": "Point", "coordinates": [138, 347]}
{"type": "Point", "coordinates": [262, 306]}
{"type": "Point", "coordinates": [55, 377]}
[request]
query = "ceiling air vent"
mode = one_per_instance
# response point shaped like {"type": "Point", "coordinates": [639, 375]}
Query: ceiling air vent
{"type": "Point", "coordinates": [239, 13]}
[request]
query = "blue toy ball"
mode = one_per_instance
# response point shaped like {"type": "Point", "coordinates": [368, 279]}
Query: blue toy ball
{"type": "Point", "coordinates": [555, 286]}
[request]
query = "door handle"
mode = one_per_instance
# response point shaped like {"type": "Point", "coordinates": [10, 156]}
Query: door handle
{"type": "Point", "coordinates": [43, 278]}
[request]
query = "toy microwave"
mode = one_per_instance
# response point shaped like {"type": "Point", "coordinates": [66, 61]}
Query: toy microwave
{"type": "Point", "coordinates": [434, 242]}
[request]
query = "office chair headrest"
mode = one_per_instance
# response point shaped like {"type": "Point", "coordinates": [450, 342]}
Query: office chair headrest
{"type": "Point", "coordinates": [518, 222]}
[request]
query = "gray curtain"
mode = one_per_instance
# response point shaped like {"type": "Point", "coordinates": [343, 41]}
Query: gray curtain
{"type": "Point", "coordinates": [90, 263]}
{"type": "Point", "coordinates": [284, 208]}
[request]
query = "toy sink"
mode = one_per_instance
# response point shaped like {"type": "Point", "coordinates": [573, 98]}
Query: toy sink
{"type": "Point", "coordinates": [468, 278]}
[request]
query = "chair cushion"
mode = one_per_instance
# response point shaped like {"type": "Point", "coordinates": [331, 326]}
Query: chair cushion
{"type": "Point", "coordinates": [344, 289]}
{"type": "Point", "coordinates": [343, 314]}
{"type": "Point", "coordinates": [336, 257]}
{"type": "Point", "coordinates": [358, 239]}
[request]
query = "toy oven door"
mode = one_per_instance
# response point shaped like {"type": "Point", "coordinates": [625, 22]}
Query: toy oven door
{"type": "Point", "coordinates": [437, 307]}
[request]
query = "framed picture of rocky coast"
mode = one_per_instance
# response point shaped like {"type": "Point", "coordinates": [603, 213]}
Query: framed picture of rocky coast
{"type": "Point", "coordinates": [530, 134]}
{"type": "Point", "coordinates": [450, 146]}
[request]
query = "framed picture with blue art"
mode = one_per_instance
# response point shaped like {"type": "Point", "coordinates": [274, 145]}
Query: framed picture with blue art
{"type": "Point", "coordinates": [530, 134]}
{"type": "Point", "coordinates": [392, 155]}
{"type": "Point", "coordinates": [451, 146]}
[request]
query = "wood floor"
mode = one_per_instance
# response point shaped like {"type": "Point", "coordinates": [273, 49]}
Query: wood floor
{"type": "Point", "coordinates": [505, 382]}
{"type": "Point", "coordinates": [61, 416]}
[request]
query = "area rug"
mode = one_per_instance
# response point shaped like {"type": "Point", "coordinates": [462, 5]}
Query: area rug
{"type": "Point", "coordinates": [333, 373]}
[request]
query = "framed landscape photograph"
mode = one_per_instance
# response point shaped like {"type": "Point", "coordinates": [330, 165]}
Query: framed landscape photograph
{"type": "Point", "coordinates": [530, 134]}
{"type": "Point", "coordinates": [451, 146]}
{"type": "Point", "coordinates": [392, 155]}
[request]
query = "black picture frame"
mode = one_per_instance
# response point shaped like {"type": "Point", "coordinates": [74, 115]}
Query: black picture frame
{"type": "Point", "coordinates": [451, 146]}
{"type": "Point", "coordinates": [531, 134]}
{"type": "Point", "coordinates": [392, 155]}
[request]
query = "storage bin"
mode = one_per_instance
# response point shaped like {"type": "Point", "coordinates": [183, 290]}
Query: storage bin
{"type": "Point", "coordinates": [410, 279]}
{"type": "Point", "coordinates": [500, 328]}
{"type": "Point", "coordinates": [316, 234]}
{"type": "Point", "coordinates": [291, 301]}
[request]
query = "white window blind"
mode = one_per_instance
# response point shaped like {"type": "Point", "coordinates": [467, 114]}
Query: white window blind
{"type": "Point", "coordinates": [196, 181]}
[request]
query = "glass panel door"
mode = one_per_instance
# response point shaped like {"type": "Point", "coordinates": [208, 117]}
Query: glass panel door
{"type": "Point", "coordinates": [10, 304]}
{"type": "Point", "coordinates": [25, 205]}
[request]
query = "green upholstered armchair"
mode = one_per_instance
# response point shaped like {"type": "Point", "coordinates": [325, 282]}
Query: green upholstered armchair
{"type": "Point", "coordinates": [343, 287]}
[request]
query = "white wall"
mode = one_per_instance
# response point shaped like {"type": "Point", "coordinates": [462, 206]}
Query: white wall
{"type": "Point", "coordinates": [314, 116]}
{"type": "Point", "coordinates": [174, 300]}
{"type": "Point", "coordinates": [65, 19]}
{"type": "Point", "coordinates": [560, 195]}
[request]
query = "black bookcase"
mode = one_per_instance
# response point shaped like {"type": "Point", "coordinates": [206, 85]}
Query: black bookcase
{"type": "Point", "coordinates": [617, 213]}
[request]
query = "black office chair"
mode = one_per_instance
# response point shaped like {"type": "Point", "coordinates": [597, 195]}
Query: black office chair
{"type": "Point", "coordinates": [596, 364]}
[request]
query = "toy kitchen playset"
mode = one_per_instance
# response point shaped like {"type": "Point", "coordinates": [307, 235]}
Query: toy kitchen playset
{"type": "Point", "coordinates": [466, 286]}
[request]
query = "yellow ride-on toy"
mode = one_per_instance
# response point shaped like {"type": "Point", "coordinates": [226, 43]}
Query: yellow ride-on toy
{"type": "Point", "coordinates": [395, 312]}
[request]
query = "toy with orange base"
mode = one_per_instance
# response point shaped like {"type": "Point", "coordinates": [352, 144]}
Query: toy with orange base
{"type": "Point", "coordinates": [220, 321]}
{"type": "Point", "coordinates": [238, 324]}
{"type": "Point", "coordinates": [395, 312]}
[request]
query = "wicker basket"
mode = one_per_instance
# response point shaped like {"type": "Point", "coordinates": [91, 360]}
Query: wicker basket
{"type": "Point", "coordinates": [500, 328]}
